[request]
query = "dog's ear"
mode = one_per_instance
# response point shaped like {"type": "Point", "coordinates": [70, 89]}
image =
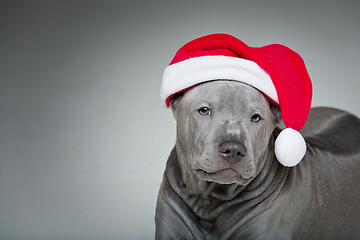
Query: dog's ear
{"type": "Point", "coordinates": [276, 112]}
{"type": "Point", "coordinates": [174, 100]}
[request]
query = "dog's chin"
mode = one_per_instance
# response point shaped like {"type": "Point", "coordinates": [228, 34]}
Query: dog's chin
{"type": "Point", "coordinates": [224, 176]}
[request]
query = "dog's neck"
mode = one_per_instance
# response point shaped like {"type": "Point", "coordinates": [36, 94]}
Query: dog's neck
{"type": "Point", "coordinates": [207, 198]}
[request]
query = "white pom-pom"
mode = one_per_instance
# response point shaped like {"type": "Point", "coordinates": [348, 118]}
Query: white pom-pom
{"type": "Point", "coordinates": [290, 147]}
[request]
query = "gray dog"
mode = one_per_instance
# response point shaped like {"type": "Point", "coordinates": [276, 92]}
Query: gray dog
{"type": "Point", "coordinates": [223, 181]}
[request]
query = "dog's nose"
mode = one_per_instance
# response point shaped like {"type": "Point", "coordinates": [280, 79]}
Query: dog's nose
{"type": "Point", "coordinates": [232, 151]}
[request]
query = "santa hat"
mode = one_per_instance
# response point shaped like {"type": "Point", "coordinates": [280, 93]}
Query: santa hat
{"type": "Point", "coordinates": [275, 70]}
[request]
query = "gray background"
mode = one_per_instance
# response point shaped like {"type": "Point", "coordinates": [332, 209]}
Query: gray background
{"type": "Point", "coordinates": [84, 135]}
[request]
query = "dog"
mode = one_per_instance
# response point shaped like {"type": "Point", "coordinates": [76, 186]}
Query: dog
{"type": "Point", "coordinates": [223, 181]}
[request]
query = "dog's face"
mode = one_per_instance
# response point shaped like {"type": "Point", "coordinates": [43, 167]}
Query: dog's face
{"type": "Point", "coordinates": [223, 130]}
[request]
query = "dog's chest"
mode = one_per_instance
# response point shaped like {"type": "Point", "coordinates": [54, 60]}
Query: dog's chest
{"type": "Point", "coordinates": [230, 219]}
{"type": "Point", "coordinates": [204, 208]}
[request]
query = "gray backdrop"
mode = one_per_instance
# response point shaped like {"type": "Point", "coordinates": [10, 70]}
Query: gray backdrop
{"type": "Point", "coordinates": [84, 135]}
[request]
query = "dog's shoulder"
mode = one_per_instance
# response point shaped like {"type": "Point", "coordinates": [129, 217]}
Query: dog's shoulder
{"type": "Point", "coordinates": [333, 130]}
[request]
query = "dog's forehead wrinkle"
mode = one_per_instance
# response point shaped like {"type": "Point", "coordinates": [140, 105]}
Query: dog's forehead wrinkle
{"type": "Point", "coordinates": [235, 98]}
{"type": "Point", "coordinates": [243, 98]}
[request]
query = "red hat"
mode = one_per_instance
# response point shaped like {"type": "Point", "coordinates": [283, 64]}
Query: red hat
{"type": "Point", "coordinates": [275, 70]}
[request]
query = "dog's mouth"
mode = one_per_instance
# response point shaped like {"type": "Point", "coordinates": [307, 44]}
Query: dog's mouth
{"type": "Point", "coordinates": [222, 176]}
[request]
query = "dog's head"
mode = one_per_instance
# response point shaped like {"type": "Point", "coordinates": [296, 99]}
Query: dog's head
{"type": "Point", "coordinates": [223, 130]}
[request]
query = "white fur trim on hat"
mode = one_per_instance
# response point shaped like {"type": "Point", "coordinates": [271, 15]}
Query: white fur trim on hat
{"type": "Point", "coordinates": [192, 71]}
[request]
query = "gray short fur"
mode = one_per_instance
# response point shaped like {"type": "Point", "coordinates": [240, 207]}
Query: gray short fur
{"type": "Point", "coordinates": [205, 195]}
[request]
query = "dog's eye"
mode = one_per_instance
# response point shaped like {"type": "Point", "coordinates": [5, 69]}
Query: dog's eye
{"type": "Point", "coordinates": [204, 111]}
{"type": "Point", "coordinates": [255, 118]}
